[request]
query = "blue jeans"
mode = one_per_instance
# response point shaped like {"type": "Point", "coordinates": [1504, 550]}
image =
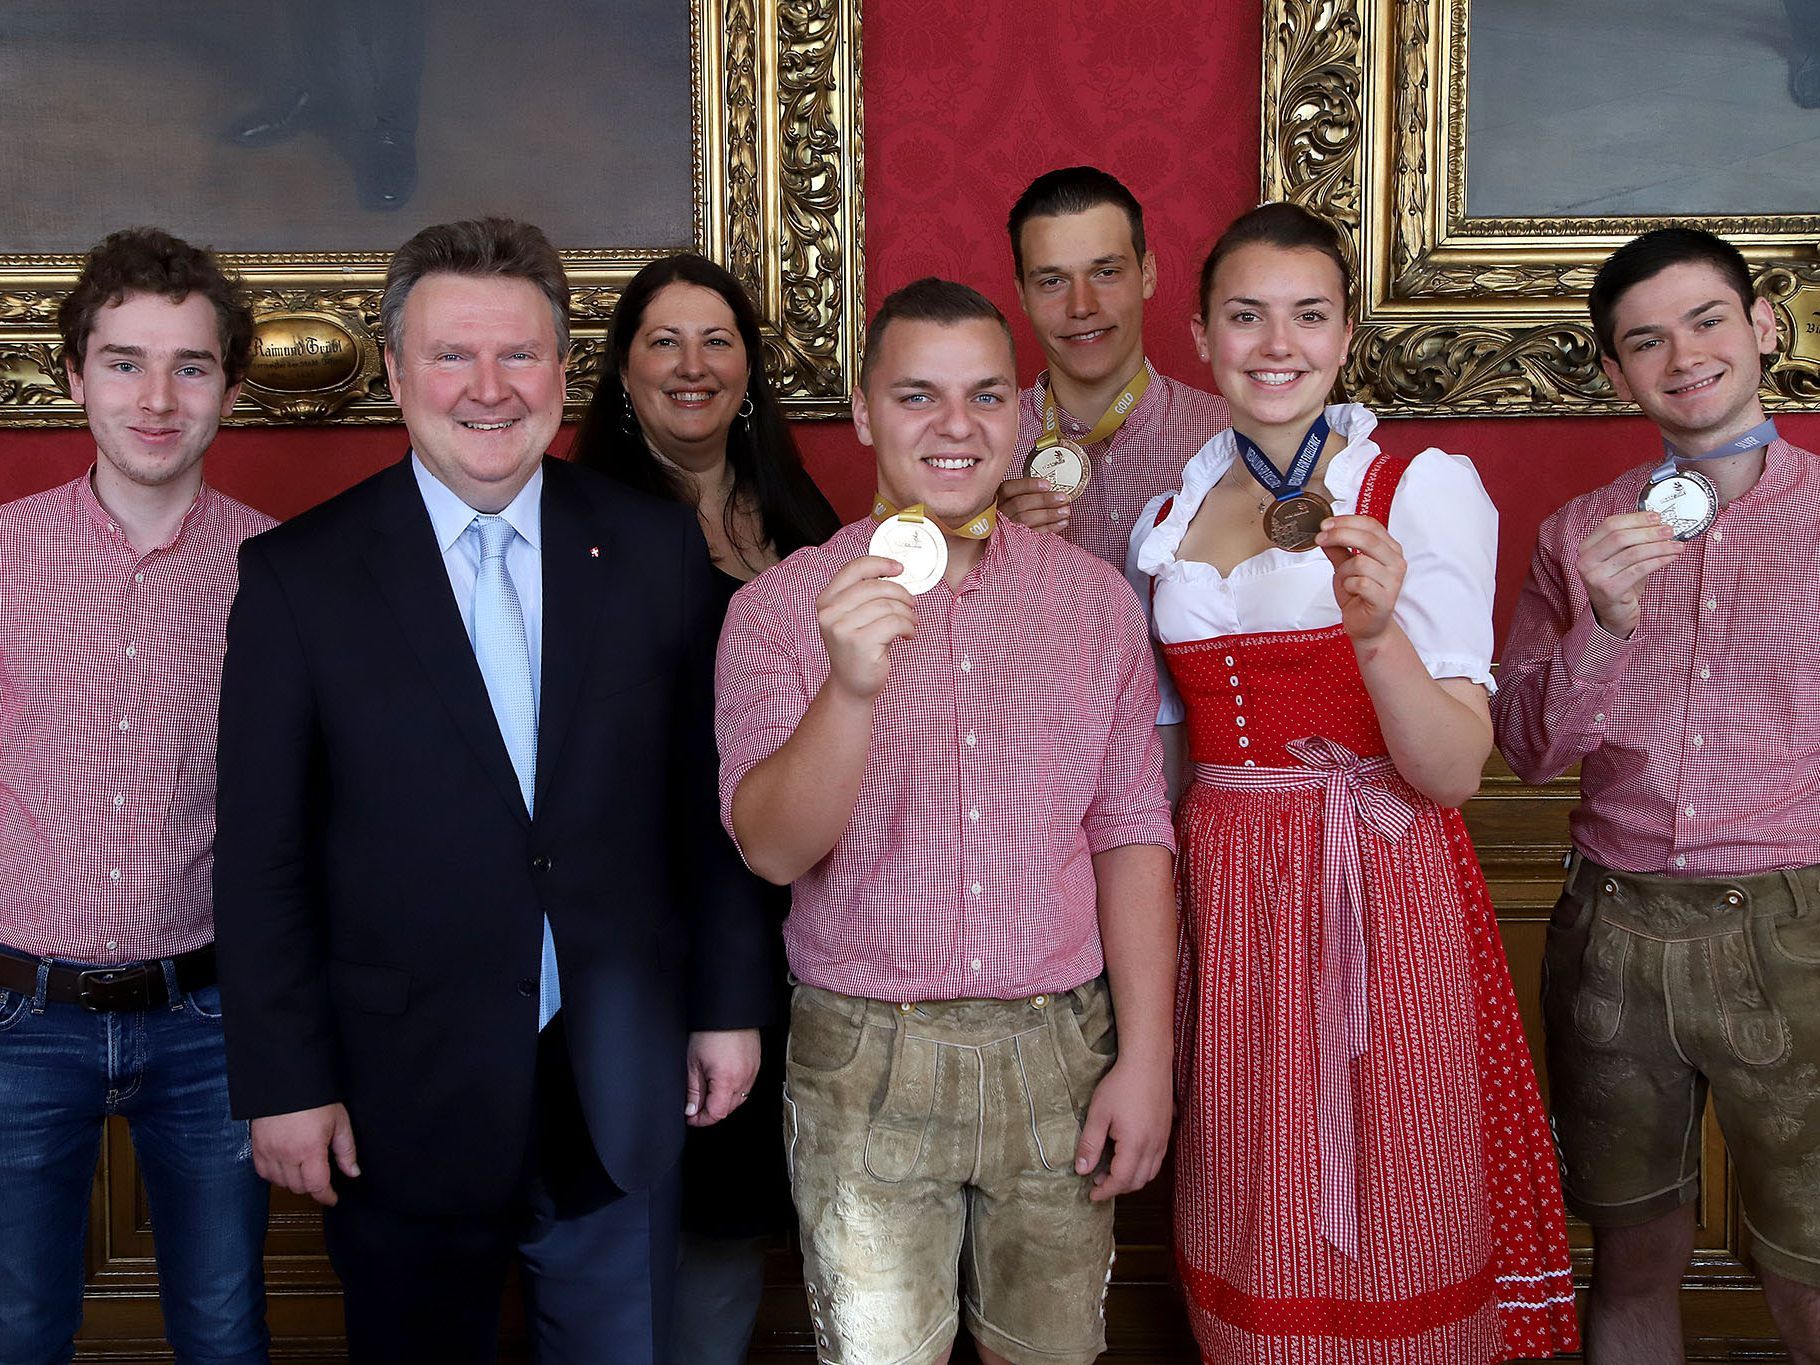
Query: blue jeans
{"type": "Point", "coordinates": [63, 1069]}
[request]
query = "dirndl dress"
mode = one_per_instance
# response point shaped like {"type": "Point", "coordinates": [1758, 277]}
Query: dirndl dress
{"type": "Point", "coordinates": [1364, 1173]}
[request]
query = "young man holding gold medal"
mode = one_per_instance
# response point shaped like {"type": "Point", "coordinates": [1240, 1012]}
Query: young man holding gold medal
{"type": "Point", "coordinates": [1666, 641]}
{"type": "Point", "coordinates": [939, 728]}
{"type": "Point", "coordinates": [1100, 433]}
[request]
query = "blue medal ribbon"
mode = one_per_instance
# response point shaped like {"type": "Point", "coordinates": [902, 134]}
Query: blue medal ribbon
{"type": "Point", "coordinates": [1284, 485]}
{"type": "Point", "coordinates": [1673, 457]}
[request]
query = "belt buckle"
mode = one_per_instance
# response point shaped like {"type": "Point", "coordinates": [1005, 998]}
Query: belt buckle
{"type": "Point", "coordinates": [101, 994]}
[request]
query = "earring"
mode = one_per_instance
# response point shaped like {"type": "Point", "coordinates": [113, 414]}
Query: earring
{"type": "Point", "coordinates": [628, 421]}
{"type": "Point", "coordinates": [745, 408]}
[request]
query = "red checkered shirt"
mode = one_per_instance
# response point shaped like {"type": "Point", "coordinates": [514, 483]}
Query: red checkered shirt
{"type": "Point", "coordinates": [1015, 739]}
{"type": "Point", "coordinates": [1142, 458]}
{"type": "Point", "coordinates": [1699, 736]}
{"type": "Point", "coordinates": [110, 675]}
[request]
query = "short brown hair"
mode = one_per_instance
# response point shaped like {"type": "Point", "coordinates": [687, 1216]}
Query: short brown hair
{"type": "Point", "coordinates": [147, 260]}
{"type": "Point", "coordinates": [1289, 227]}
{"type": "Point", "coordinates": [1072, 190]}
{"type": "Point", "coordinates": [1643, 258]}
{"type": "Point", "coordinates": [501, 247]}
{"type": "Point", "coordinates": [930, 300]}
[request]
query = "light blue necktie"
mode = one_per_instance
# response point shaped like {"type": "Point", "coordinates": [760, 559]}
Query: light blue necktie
{"type": "Point", "coordinates": [505, 665]}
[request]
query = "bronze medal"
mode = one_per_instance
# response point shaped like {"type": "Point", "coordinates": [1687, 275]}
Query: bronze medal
{"type": "Point", "coordinates": [1686, 500]}
{"type": "Point", "coordinates": [916, 543]}
{"type": "Point", "coordinates": [1293, 523]}
{"type": "Point", "coordinates": [1064, 464]}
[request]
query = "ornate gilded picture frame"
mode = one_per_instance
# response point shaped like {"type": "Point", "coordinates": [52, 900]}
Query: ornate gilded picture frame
{"type": "Point", "coordinates": [766, 177]}
{"type": "Point", "coordinates": [1365, 106]}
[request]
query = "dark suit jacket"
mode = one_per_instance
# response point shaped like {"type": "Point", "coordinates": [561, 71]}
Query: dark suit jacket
{"type": "Point", "coordinates": [379, 887]}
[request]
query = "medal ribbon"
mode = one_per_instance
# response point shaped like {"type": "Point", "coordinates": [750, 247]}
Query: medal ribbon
{"type": "Point", "coordinates": [1290, 484]}
{"type": "Point", "coordinates": [980, 528]}
{"type": "Point", "coordinates": [1672, 456]}
{"type": "Point", "coordinates": [1110, 420]}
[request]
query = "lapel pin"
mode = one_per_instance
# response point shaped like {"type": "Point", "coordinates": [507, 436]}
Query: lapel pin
{"type": "Point", "coordinates": [593, 552]}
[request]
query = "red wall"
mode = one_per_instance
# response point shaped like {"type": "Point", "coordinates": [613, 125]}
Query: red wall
{"type": "Point", "coordinates": [965, 104]}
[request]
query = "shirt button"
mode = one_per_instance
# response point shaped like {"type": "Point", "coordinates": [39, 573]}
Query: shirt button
{"type": "Point", "coordinates": [130, 651]}
{"type": "Point", "coordinates": [1600, 718]}
{"type": "Point", "coordinates": [1251, 763]}
{"type": "Point", "coordinates": [1706, 675]}
{"type": "Point", "coordinates": [1233, 679]}
{"type": "Point", "coordinates": [113, 874]}
{"type": "Point", "coordinates": [1718, 536]}
{"type": "Point", "coordinates": [1698, 741]}
{"type": "Point", "coordinates": [970, 739]}
{"type": "Point", "coordinates": [966, 664]}
{"type": "Point", "coordinates": [976, 964]}
{"type": "Point", "coordinates": [527, 987]}
{"type": "Point", "coordinates": [126, 725]}
{"type": "Point", "coordinates": [974, 816]}
{"type": "Point", "coordinates": [1239, 721]}
{"type": "Point", "coordinates": [1238, 701]}
{"type": "Point", "coordinates": [112, 946]}
{"type": "Point", "coordinates": [1229, 661]}
{"type": "Point", "coordinates": [975, 888]}
{"type": "Point", "coordinates": [1244, 741]}
{"type": "Point", "coordinates": [138, 578]}
{"type": "Point", "coordinates": [119, 800]}
{"type": "Point", "coordinates": [1112, 516]}
{"type": "Point", "coordinates": [1690, 812]}
{"type": "Point", "coordinates": [1680, 860]}
{"type": "Point", "coordinates": [1712, 604]}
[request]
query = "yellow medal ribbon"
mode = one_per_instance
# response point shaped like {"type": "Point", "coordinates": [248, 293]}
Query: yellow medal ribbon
{"type": "Point", "coordinates": [1110, 420]}
{"type": "Point", "coordinates": [980, 528]}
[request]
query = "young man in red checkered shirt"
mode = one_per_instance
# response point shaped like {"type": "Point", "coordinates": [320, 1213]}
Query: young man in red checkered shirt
{"type": "Point", "coordinates": [1083, 275]}
{"type": "Point", "coordinates": [1684, 955]}
{"type": "Point", "coordinates": [965, 789]}
{"type": "Point", "coordinates": [114, 594]}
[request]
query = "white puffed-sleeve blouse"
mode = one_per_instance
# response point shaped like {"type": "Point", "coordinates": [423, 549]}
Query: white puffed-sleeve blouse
{"type": "Point", "coordinates": [1441, 517]}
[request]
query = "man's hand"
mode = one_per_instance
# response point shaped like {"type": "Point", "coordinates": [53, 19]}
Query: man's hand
{"type": "Point", "coordinates": [860, 614]}
{"type": "Point", "coordinates": [1035, 503]}
{"type": "Point", "coordinates": [1133, 1106]}
{"type": "Point", "coordinates": [1616, 559]}
{"type": "Point", "coordinates": [292, 1150]}
{"type": "Point", "coordinates": [722, 1067]}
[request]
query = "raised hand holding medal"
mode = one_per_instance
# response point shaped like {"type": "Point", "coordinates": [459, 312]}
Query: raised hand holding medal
{"type": "Point", "coordinates": [1293, 517]}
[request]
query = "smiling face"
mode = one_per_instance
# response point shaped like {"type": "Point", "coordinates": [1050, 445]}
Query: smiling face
{"type": "Point", "coordinates": [686, 373]}
{"type": "Point", "coordinates": [1083, 289]}
{"type": "Point", "coordinates": [939, 409]}
{"type": "Point", "coordinates": [1275, 335]}
{"type": "Point", "coordinates": [479, 378]}
{"type": "Point", "coordinates": [154, 389]}
{"type": "Point", "coordinates": [1689, 353]}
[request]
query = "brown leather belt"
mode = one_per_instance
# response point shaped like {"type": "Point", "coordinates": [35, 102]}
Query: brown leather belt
{"type": "Point", "coordinates": [125, 986]}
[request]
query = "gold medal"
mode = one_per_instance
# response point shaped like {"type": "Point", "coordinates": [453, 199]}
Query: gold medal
{"type": "Point", "coordinates": [918, 544]}
{"type": "Point", "coordinates": [1064, 464]}
{"type": "Point", "coordinates": [1293, 523]}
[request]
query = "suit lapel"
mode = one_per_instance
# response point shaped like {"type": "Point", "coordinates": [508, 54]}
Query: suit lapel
{"type": "Point", "coordinates": [407, 565]}
{"type": "Point", "coordinates": [574, 588]}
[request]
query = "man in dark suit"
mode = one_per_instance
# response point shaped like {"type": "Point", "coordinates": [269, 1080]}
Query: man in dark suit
{"type": "Point", "coordinates": [482, 943]}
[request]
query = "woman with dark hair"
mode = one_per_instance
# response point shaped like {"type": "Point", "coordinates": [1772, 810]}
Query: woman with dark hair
{"type": "Point", "coordinates": [1363, 1168]}
{"type": "Point", "coordinates": [684, 410]}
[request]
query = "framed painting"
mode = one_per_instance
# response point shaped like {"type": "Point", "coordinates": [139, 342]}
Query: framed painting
{"type": "Point", "coordinates": [1485, 156]}
{"type": "Point", "coordinates": [305, 142]}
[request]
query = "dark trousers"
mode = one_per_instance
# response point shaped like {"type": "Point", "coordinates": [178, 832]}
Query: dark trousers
{"type": "Point", "coordinates": [596, 1263]}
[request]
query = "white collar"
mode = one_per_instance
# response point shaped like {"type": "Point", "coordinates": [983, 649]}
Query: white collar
{"type": "Point", "coordinates": [1344, 473]}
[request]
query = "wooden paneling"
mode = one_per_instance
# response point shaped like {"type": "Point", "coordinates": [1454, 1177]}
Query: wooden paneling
{"type": "Point", "coordinates": [1521, 833]}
